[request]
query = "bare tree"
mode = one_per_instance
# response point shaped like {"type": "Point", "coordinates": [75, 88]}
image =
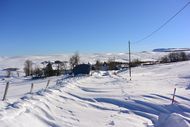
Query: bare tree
{"type": "Point", "coordinates": [165, 59]}
{"type": "Point", "coordinates": [98, 65]}
{"type": "Point", "coordinates": [28, 67]}
{"type": "Point", "coordinates": [183, 56]}
{"type": "Point", "coordinates": [37, 72]}
{"type": "Point", "coordinates": [60, 66]}
{"type": "Point", "coordinates": [63, 67]}
{"type": "Point", "coordinates": [49, 70]}
{"type": "Point", "coordinates": [74, 60]}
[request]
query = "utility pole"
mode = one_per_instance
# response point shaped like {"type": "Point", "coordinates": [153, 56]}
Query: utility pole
{"type": "Point", "coordinates": [129, 60]}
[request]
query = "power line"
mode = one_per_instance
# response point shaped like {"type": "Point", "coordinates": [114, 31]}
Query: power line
{"type": "Point", "coordinates": [164, 24]}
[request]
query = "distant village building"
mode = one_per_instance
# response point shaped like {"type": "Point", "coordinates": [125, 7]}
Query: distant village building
{"type": "Point", "coordinates": [82, 69]}
{"type": "Point", "coordinates": [10, 71]}
{"type": "Point", "coordinates": [148, 62]}
{"type": "Point", "coordinates": [104, 67]}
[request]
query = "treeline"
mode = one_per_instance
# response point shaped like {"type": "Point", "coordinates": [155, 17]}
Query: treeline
{"type": "Point", "coordinates": [175, 57]}
{"type": "Point", "coordinates": [111, 64]}
{"type": "Point", "coordinates": [114, 65]}
{"type": "Point", "coordinates": [46, 71]}
{"type": "Point", "coordinates": [55, 68]}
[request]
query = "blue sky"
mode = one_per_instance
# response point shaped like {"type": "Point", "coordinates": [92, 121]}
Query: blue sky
{"type": "Point", "coordinates": [31, 27]}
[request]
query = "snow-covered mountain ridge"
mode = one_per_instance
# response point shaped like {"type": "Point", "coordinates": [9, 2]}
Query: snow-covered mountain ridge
{"type": "Point", "coordinates": [171, 50]}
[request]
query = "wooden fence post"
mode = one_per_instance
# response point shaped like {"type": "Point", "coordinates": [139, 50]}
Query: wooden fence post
{"type": "Point", "coordinates": [173, 99]}
{"type": "Point", "coordinates": [31, 89]}
{"type": "Point", "coordinates": [6, 90]}
{"type": "Point", "coordinates": [47, 84]}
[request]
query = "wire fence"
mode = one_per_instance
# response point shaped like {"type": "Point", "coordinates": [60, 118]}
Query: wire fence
{"type": "Point", "coordinates": [14, 90]}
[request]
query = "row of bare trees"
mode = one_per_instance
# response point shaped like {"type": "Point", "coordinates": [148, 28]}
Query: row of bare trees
{"type": "Point", "coordinates": [55, 68]}
{"type": "Point", "coordinates": [111, 64]}
{"type": "Point", "coordinates": [175, 57]}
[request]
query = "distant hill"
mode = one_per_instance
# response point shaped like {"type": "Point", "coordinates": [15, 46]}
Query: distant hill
{"type": "Point", "coordinates": [171, 49]}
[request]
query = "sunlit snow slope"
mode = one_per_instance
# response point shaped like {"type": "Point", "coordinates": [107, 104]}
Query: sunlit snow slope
{"type": "Point", "coordinates": [108, 101]}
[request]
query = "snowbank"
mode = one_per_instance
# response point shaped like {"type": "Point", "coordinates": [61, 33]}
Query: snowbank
{"type": "Point", "coordinates": [172, 120]}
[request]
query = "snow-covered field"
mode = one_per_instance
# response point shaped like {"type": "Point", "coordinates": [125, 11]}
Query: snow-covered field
{"type": "Point", "coordinates": [18, 61]}
{"type": "Point", "coordinates": [101, 100]}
